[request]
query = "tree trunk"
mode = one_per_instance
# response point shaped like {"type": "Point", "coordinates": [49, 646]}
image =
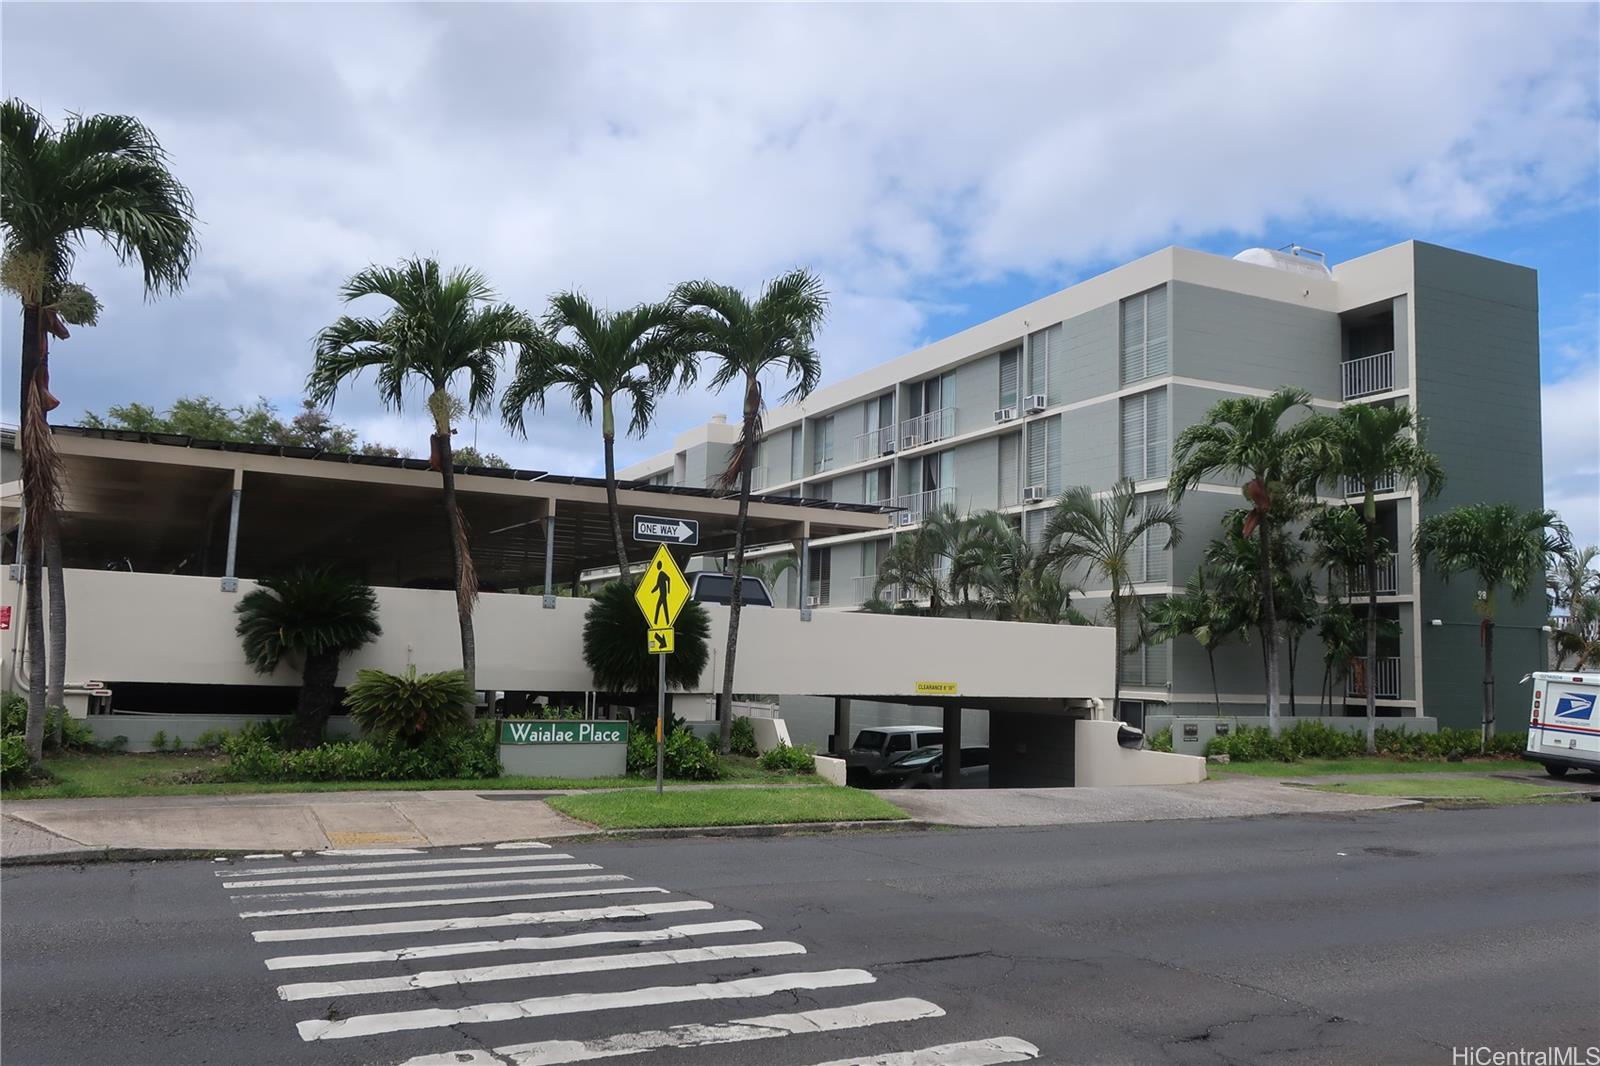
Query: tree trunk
{"type": "Point", "coordinates": [1269, 625]}
{"type": "Point", "coordinates": [1488, 682]}
{"type": "Point", "coordinates": [37, 510]}
{"type": "Point", "coordinates": [56, 676]}
{"type": "Point", "coordinates": [752, 408]}
{"type": "Point", "coordinates": [1216, 693]}
{"type": "Point", "coordinates": [1294, 655]}
{"type": "Point", "coordinates": [608, 430]}
{"type": "Point", "coordinates": [459, 559]}
{"type": "Point", "coordinates": [1116, 668]}
{"type": "Point", "coordinates": [318, 695]}
{"type": "Point", "coordinates": [1372, 649]}
{"type": "Point", "coordinates": [33, 589]}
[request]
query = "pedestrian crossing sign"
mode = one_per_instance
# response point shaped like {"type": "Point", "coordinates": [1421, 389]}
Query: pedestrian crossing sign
{"type": "Point", "coordinates": [660, 641]}
{"type": "Point", "coordinates": [662, 591]}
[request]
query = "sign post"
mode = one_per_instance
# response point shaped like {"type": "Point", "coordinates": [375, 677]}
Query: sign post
{"type": "Point", "coordinates": [662, 592]}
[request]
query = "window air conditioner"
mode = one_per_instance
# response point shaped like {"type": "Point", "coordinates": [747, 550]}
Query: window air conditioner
{"type": "Point", "coordinates": [1035, 402]}
{"type": "Point", "coordinates": [910, 440]}
{"type": "Point", "coordinates": [904, 518]}
{"type": "Point", "coordinates": [1033, 494]}
{"type": "Point", "coordinates": [888, 446]}
{"type": "Point", "coordinates": [907, 596]}
{"type": "Point", "coordinates": [813, 601]}
{"type": "Point", "coordinates": [1005, 414]}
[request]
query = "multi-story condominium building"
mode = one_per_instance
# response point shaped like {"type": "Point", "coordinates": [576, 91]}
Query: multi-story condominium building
{"type": "Point", "coordinates": [1093, 383]}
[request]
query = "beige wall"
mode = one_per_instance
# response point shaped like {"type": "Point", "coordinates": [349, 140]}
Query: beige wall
{"type": "Point", "coordinates": [1099, 760]}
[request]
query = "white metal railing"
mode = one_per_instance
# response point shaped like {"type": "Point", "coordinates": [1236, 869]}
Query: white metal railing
{"type": "Point", "coordinates": [925, 429]}
{"type": "Point", "coordinates": [1386, 685]}
{"type": "Point", "coordinates": [863, 588]}
{"type": "Point", "coordinates": [1388, 577]}
{"type": "Point", "coordinates": [758, 478]}
{"type": "Point", "coordinates": [918, 504]}
{"type": "Point", "coordinates": [1367, 375]}
{"type": "Point", "coordinates": [818, 593]}
{"type": "Point", "coordinates": [874, 443]}
{"type": "Point", "coordinates": [1354, 486]}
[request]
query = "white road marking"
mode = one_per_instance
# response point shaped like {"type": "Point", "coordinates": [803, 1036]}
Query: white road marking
{"type": "Point", "coordinates": [522, 943]}
{"type": "Point", "coordinates": [418, 875]}
{"type": "Point", "coordinates": [394, 864]}
{"type": "Point", "coordinates": [493, 921]}
{"type": "Point", "coordinates": [576, 1003]}
{"type": "Point", "coordinates": [362, 851]}
{"type": "Point", "coordinates": [517, 971]}
{"type": "Point", "coordinates": [968, 1053]}
{"type": "Point", "coordinates": [561, 1052]}
{"type": "Point", "coordinates": [511, 845]}
{"type": "Point", "coordinates": [406, 904]}
{"type": "Point", "coordinates": [471, 849]}
{"type": "Point", "coordinates": [264, 855]}
{"type": "Point", "coordinates": [391, 890]}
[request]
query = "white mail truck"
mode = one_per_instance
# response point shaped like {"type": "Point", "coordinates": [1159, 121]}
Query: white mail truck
{"type": "Point", "coordinates": [1564, 729]}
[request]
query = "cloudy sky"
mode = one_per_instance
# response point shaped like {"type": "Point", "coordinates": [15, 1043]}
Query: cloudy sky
{"type": "Point", "coordinates": [938, 165]}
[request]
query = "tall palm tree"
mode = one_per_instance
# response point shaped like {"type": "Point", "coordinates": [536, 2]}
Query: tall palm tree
{"type": "Point", "coordinates": [440, 326]}
{"type": "Point", "coordinates": [599, 355]}
{"type": "Point", "coordinates": [316, 613]}
{"type": "Point", "coordinates": [774, 333]}
{"type": "Point", "coordinates": [1098, 535]}
{"type": "Point", "coordinates": [101, 175]}
{"type": "Point", "coordinates": [1502, 547]}
{"type": "Point", "coordinates": [1023, 585]}
{"type": "Point", "coordinates": [1365, 443]}
{"type": "Point", "coordinates": [918, 561]}
{"type": "Point", "coordinates": [975, 547]}
{"type": "Point", "coordinates": [1246, 437]}
{"type": "Point", "coordinates": [1199, 611]}
{"type": "Point", "coordinates": [1575, 586]}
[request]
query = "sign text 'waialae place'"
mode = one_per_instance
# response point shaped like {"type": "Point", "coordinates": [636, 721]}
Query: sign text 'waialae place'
{"type": "Point", "coordinates": [521, 731]}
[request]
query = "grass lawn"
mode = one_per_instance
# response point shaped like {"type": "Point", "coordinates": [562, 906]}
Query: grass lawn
{"type": "Point", "coordinates": [718, 806]}
{"type": "Point", "coordinates": [80, 776]}
{"type": "Point", "coordinates": [1365, 765]}
{"type": "Point", "coordinates": [1465, 789]}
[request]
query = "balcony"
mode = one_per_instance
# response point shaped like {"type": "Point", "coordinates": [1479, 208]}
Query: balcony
{"type": "Point", "coordinates": [1386, 686]}
{"type": "Point", "coordinates": [874, 444]}
{"type": "Point", "coordinates": [1388, 578]}
{"type": "Point", "coordinates": [928, 428]}
{"type": "Point", "coordinates": [1354, 487]}
{"type": "Point", "coordinates": [863, 588]}
{"type": "Point", "coordinates": [919, 504]}
{"type": "Point", "coordinates": [1368, 375]}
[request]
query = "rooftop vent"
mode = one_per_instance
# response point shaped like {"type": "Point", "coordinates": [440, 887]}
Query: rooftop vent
{"type": "Point", "coordinates": [1291, 257]}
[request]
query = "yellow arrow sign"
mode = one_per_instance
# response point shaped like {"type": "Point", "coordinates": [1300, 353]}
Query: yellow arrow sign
{"type": "Point", "coordinates": [662, 591]}
{"type": "Point", "coordinates": [660, 641]}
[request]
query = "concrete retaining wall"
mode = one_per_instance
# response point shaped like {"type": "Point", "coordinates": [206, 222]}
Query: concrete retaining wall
{"type": "Point", "coordinates": [140, 729]}
{"type": "Point", "coordinates": [1205, 726]}
{"type": "Point", "coordinates": [1099, 760]}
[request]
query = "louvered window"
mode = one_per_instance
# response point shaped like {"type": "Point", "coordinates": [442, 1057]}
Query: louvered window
{"type": "Point", "coordinates": [1046, 352]}
{"type": "Point", "coordinates": [1008, 376]}
{"type": "Point", "coordinates": [1144, 435]}
{"type": "Point", "coordinates": [1148, 560]}
{"type": "Point", "coordinates": [1038, 449]}
{"type": "Point", "coordinates": [1010, 455]}
{"type": "Point", "coordinates": [1144, 335]}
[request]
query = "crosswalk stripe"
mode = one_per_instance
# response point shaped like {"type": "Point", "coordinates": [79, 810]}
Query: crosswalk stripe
{"type": "Point", "coordinates": [319, 867]}
{"type": "Point", "coordinates": [394, 890]}
{"type": "Point", "coordinates": [517, 971]}
{"type": "Point", "coordinates": [460, 901]}
{"type": "Point", "coordinates": [576, 1003]}
{"type": "Point", "coordinates": [362, 852]}
{"type": "Point", "coordinates": [521, 943]}
{"type": "Point", "coordinates": [419, 875]}
{"type": "Point", "coordinates": [561, 1052]}
{"type": "Point", "coordinates": [514, 845]}
{"type": "Point", "coordinates": [493, 921]}
{"type": "Point", "coordinates": [968, 1053]}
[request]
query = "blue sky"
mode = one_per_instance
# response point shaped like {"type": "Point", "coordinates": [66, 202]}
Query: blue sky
{"type": "Point", "coordinates": [938, 164]}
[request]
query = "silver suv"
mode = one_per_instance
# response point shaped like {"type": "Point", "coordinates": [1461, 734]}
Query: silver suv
{"type": "Point", "coordinates": [876, 748]}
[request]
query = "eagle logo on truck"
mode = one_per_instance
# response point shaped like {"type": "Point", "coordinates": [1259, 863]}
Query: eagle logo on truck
{"type": "Point", "coordinates": [1575, 707]}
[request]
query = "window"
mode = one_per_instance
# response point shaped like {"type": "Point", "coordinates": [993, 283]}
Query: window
{"type": "Point", "coordinates": [931, 738]}
{"type": "Point", "coordinates": [1009, 373]}
{"type": "Point", "coordinates": [877, 485]}
{"type": "Point", "coordinates": [1046, 353]}
{"type": "Point", "coordinates": [900, 742]}
{"type": "Point", "coordinates": [819, 490]}
{"type": "Point", "coordinates": [1144, 335]}
{"type": "Point", "coordinates": [1144, 435]}
{"type": "Point", "coordinates": [1044, 454]}
{"type": "Point", "coordinates": [822, 444]}
{"type": "Point", "coordinates": [1148, 560]}
{"type": "Point", "coordinates": [868, 740]}
{"type": "Point", "coordinates": [794, 453]}
{"type": "Point", "coordinates": [718, 588]}
{"type": "Point", "coordinates": [1010, 455]}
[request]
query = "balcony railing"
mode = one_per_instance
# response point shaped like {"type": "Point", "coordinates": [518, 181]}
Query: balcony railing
{"type": "Point", "coordinates": [1354, 486]}
{"type": "Point", "coordinates": [919, 504]}
{"type": "Point", "coordinates": [1386, 685]}
{"type": "Point", "coordinates": [874, 444]}
{"type": "Point", "coordinates": [1388, 578]}
{"type": "Point", "coordinates": [863, 588]}
{"type": "Point", "coordinates": [925, 429]}
{"type": "Point", "coordinates": [1368, 375]}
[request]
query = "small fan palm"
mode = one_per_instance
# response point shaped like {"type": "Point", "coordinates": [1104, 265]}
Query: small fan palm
{"type": "Point", "coordinates": [410, 706]}
{"type": "Point", "coordinates": [614, 645]}
{"type": "Point", "coordinates": [316, 613]}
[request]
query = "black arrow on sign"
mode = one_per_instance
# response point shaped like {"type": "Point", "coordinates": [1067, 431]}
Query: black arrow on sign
{"type": "Point", "coordinates": [660, 639]}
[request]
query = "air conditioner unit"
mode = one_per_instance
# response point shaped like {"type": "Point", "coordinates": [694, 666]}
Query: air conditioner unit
{"type": "Point", "coordinates": [813, 601]}
{"type": "Point", "coordinates": [1035, 402]}
{"type": "Point", "coordinates": [904, 518]}
{"type": "Point", "coordinates": [1033, 494]}
{"type": "Point", "coordinates": [911, 440]}
{"type": "Point", "coordinates": [888, 446]}
{"type": "Point", "coordinates": [1005, 414]}
{"type": "Point", "coordinates": [907, 596]}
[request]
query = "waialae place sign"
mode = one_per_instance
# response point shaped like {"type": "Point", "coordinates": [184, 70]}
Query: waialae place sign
{"type": "Point", "coordinates": [521, 731]}
{"type": "Point", "coordinates": [572, 748]}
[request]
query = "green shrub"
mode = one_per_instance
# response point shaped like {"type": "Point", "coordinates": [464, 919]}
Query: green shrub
{"type": "Point", "coordinates": [641, 753]}
{"type": "Point", "coordinates": [158, 740]}
{"type": "Point", "coordinates": [274, 732]}
{"type": "Point", "coordinates": [1161, 740]}
{"type": "Point", "coordinates": [409, 705]}
{"type": "Point", "coordinates": [210, 740]}
{"type": "Point", "coordinates": [742, 737]}
{"type": "Point", "coordinates": [13, 714]}
{"type": "Point", "coordinates": [784, 759]}
{"type": "Point", "coordinates": [464, 753]}
{"type": "Point", "coordinates": [14, 769]}
{"type": "Point", "coordinates": [75, 735]}
{"type": "Point", "coordinates": [1317, 740]}
{"type": "Point", "coordinates": [686, 758]}
{"type": "Point", "coordinates": [547, 713]}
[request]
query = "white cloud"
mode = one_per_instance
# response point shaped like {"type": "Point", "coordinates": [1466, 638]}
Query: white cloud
{"type": "Point", "coordinates": [1568, 411]}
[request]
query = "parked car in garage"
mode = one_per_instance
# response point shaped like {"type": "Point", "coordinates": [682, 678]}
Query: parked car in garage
{"type": "Point", "coordinates": [876, 748]}
{"type": "Point", "coordinates": [924, 768]}
{"type": "Point", "coordinates": [709, 586]}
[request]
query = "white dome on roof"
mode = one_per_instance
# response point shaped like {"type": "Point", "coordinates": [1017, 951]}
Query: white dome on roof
{"type": "Point", "coordinates": [1303, 263]}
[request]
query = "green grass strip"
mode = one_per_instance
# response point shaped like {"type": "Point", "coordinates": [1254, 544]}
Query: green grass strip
{"type": "Point", "coordinates": [684, 808]}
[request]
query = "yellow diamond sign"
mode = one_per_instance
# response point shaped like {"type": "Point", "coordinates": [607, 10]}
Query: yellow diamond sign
{"type": "Point", "coordinates": [662, 591]}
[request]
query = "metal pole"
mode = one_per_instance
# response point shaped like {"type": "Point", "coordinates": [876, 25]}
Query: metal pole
{"type": "Point", "coordinates": [661, 718]}
{"type": "Point", "coordinates": [549, 560]}
{"type": "Point", "coordinates": [229, 582]}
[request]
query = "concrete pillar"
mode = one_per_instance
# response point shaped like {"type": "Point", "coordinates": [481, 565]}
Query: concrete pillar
{"type": "Point", "coordinates": [841, 725]}
{"type": "Point", "coordinates": [803, 550]}
{"type": "Point", "coordinates": [550, 558]}
{"type": "Point", "coordinates": [952, 745]}
{"type": "Point", "coordinates": [230, 583]}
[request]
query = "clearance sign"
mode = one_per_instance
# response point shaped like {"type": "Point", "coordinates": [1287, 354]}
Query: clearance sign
{"type": "Point", "coordinates": [518, 731]}
{"type": "Point", "coordinates": [936, 688]}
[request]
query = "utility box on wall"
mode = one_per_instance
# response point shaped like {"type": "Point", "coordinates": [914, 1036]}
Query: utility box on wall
{"type": "Point", "coordinates": [581, 748]}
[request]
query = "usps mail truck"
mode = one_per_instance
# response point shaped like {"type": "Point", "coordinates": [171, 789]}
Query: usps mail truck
{"type": "Point", "coordinates": [1564, 731]}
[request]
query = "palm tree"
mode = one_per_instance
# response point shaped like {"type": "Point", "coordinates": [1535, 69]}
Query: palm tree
{"type": "Point", "coordinates": [976, 543]}
{"type": "Point", "coordinates": [1365, 443]}
{"type": "Point", "coordinates": [440, 326]}
{"type": "Point", "coordinates": [748, 338]}
{"type": "Point", "coordinates": [1502, 547]}
{"type": "Point", "coordinates": [1099, 536]}
{"type": "Point", "coordinates": [1575, 585]}
{"type": "Point", "coordinates": [1245, 437]}
{"type": "Point", "coordinates": [601, 355]}
{"type": "Point", "coordinates": [316, 613]}
{"type": "Point", "coordinates": [916, 563]}
{"type": "Point", "coordinates": [1199, 611]}
{"type": "Point", "coordinates": [104, 175]}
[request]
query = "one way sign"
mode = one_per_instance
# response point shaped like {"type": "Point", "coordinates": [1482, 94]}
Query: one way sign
{"type": "Point", "coordinates": [652, 529]}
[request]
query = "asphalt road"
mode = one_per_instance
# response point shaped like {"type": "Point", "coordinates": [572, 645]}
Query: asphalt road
{"type": "Point", "coordinates": [1382, 937]}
